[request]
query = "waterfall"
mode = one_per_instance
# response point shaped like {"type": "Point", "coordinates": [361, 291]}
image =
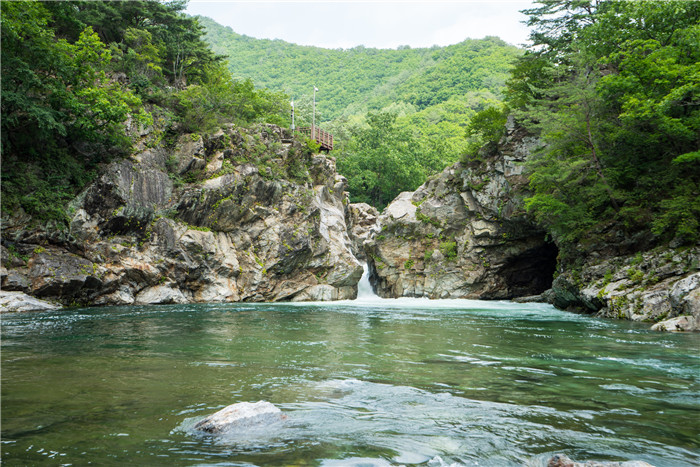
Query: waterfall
{"type": "Point", "coordinates": [364, 288]}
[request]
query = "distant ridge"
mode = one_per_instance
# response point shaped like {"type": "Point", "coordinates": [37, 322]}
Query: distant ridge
{"type": "Point", "coordinates": [352, 81]}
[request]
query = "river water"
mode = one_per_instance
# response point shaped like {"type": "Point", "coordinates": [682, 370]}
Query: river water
{"type": "Point", "coordinates": [367, 383]}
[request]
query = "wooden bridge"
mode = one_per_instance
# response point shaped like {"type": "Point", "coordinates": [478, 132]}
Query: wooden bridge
{"type": "Point", "coordinates": [323, 138]}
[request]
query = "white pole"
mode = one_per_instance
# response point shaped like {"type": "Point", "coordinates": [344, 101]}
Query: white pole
{"type": "Point", "coordinates": [313, 121]}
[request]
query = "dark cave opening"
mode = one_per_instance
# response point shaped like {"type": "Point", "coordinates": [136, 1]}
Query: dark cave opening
{"type": "Point", "coordinates": [531, 272]}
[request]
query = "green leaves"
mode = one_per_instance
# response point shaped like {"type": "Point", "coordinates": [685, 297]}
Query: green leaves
{"type": "Point", "coordinates": [381, 160]}
{"type": "Point", "coordinates": [613, 89]}
{"type": "Point", "coordinates": [355, 81]}
{"type": "Point", "coordinates": [221, 99]}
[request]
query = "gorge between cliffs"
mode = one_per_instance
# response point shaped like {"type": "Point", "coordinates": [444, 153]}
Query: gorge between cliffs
{"type": "Point", "coordinates": [253, 215]}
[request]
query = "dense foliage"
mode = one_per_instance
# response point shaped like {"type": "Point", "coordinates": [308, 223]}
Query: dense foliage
{"type": "Point", "coordinates": [382, 159]}
{"type": "Point", "coordinates": [355, 81]}
{"type": "Point", "coordinates": [613, 88]}
{"type": "Point", "coordinates": [78, 78]}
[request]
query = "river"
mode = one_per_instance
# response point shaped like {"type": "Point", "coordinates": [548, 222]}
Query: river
{"type": "Point", "coordinates": [367, 383]}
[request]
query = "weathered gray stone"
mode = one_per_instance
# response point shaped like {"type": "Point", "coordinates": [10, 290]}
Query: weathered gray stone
{"type": "Point", "coordinates": [55, 272]}
{"type": "Point", "coordinates": [12, 280]}
{"type": "Point", "coordinates": [361, 219]}
{"type": "Point", "coordinates": [401, 207]}
{"type": "Point", "coordinates": [236, 237]}
{"type": "Point", "coordinates": [651, 286]}
{"type": "Point", "coordinates": [241, 417]}
{"type": "Point", "coordinates": [159, 295]}
{"type": "Point", "coordinates": [122, 296]}
{"type": "Point", "coordinates": [678, 324]}
{"type": "Point", "coordinates": [450, 239]}
{"type": "Point", "coordinates": [190, 154]}
{"type": "Point", "coordinates": [18, 301]}
{"type": "Point", "coordinates": [685, 296]}
{"type": "Point", "coordinates": [562, 460]}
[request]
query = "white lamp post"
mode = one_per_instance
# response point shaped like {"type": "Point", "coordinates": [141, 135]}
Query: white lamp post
{"type": "Point", "coordinates": [292, 115]}
{"type": "Point", "coordinates": [313, 121]}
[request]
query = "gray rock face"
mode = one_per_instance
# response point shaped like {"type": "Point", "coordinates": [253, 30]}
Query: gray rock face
{"type": "Point", "coordinates": [685, 296]}
{"type": "Point", "coordinates": [261, 220]}
{"type": "Point", "coordinates": [361, 219]}
{"type": "Point", "coordinates": [240, 417]}
{"type": "Point", "coordinates": [678, 324]}
{"type": "Point", "coordinates": [18, 301]}
{"type": "Point", "coordinates": [659, 286]}
{"type": "Point", "coordinates": [463, 234]}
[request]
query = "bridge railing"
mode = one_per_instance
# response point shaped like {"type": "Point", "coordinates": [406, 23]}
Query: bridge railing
{"type": "Point", "coordinates": [323, 138]}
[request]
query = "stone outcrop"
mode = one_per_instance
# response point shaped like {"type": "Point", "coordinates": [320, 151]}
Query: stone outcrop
{"type": "Point", "coordinates": [361, 220]}
{"type": "Point", "coordinates": [242, 215]}
{"type": "Point", "coordinates": [252, 215]}
{"type": "Point", "coordinates": [562, 460]}
{"type": "Point", "coordinates": [242, 416]}
{"type": "Point", "coordinates": [464, 234]}
{"type": "Point", "coordinates": [660, 286]}
{"type": "Point", "coordinates": [18, 301]}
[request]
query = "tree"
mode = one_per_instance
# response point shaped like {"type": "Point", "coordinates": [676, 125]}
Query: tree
{"type": "Point", "coordinates": [613, 90]}
{"type": "Point", "coordinates": [220, 99]}
{"type": "Point", "coordinates": [382, 160]}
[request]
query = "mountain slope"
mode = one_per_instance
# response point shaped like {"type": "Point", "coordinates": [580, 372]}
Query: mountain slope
{"type": "Point", "coordinates": [352, 81]}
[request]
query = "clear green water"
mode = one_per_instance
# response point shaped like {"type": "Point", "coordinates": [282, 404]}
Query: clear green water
{"type": "Point", "coordinates": [376, 383]}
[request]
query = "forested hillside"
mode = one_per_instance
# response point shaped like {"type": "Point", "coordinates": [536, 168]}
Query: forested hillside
{"type": "Point", "coordinates": [356, 80]}
{"type": "Point", "coordinates": [399, 116]}
{"type": "Point", "coordinates": [612, 88]}
{"type": "Point", "coordinates": [80, 78]}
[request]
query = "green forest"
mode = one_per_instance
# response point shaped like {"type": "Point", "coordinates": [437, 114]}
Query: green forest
{"type": "Point", "coordinates": [78, 79]}
{"type": "Point", "coordinates": [400, 115]}
{"type": "Point", "coordinates": [612, 88]}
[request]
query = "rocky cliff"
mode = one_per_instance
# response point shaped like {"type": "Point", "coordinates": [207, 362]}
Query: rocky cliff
{"type": "Point", "coordinates": [253, 215]}
{"type": "Point", "coordinates": [464, 234]}
{"type": "Point", "coordinates": [659, 286]}
{"type": "Point", "coordinates": [242, 215]}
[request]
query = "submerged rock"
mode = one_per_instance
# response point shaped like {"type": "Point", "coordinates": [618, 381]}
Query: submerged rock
{"type": "Point", "coordinates": [562, 460]}
{"type": "Point", "coordinates": [240, 417]}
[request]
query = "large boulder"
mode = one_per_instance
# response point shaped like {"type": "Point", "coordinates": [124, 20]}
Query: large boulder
{"type": "Point", "coordinates": [18, 301]}
{"type": "Point", "coordinates": [54, 272]}
{"type": "Point", "coordinates": [678, 324]}
{"type": "Point", "coordinates": [158, 295]}
{"type": "Point", "coordinates": [241, 417]}
{"type": "Point", "coordinates": [361, 220]}
{"type": "Point", "coordinates": [660, 286]}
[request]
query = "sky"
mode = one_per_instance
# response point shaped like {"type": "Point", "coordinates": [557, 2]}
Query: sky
{"type": "Point", "coordinates": [380, 24]}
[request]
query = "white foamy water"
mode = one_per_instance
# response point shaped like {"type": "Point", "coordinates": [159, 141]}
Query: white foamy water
{"type": "Point", "coordinates": [365, 292]}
